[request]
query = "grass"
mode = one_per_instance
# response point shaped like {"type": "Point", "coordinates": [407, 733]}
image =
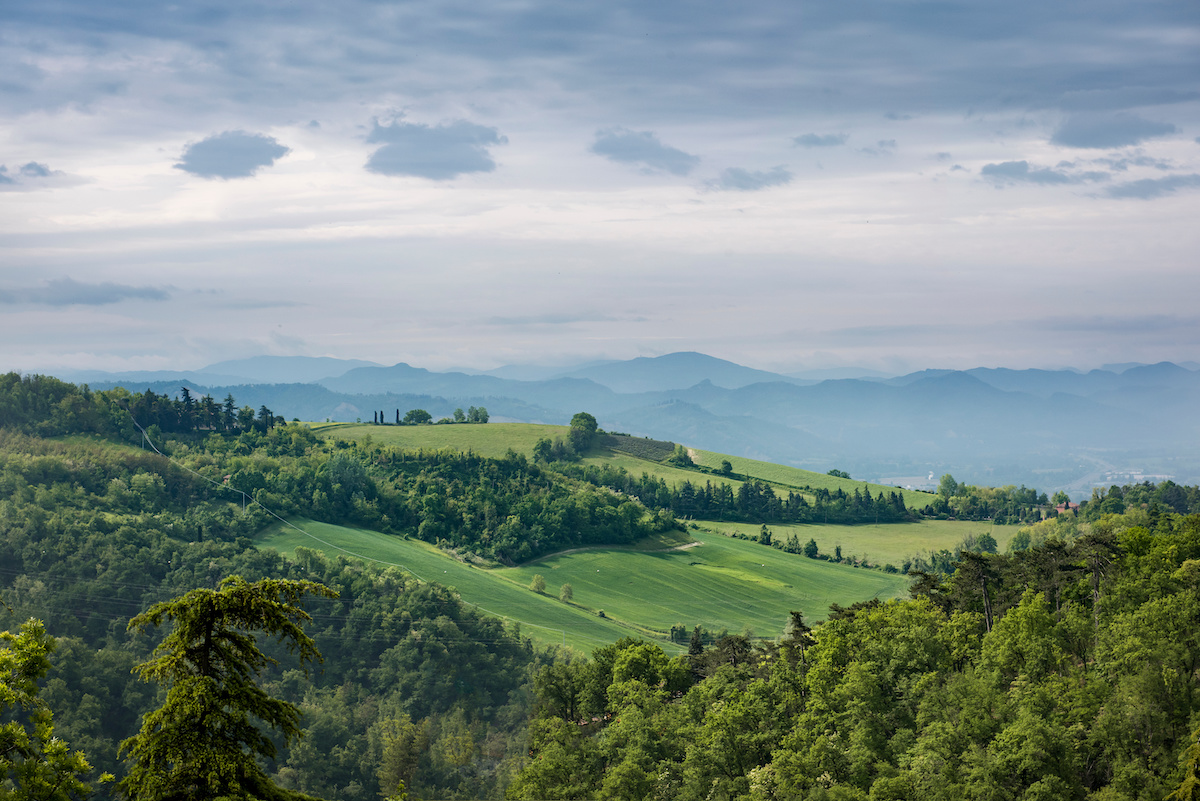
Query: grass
{"type": "Point", "coordinates": [881, 544]}
{"type": "Point", "coordinates": [796, 477]}
{"type": "Point", "coordinates": [543, 618]}
{"type": "Point", "coordinates": [492, 440]}
{"type": "Point", "coordinates": [722, 583]}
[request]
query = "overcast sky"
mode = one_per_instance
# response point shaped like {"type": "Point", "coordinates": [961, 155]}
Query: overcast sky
{"type": "Point", "coordinates": [789, 185]}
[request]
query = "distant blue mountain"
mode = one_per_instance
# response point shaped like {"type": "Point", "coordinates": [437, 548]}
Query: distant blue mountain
{"type": "Point", "coordinates": [1046, 428]}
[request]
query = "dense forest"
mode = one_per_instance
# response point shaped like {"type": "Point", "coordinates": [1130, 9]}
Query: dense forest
{"type": "Point", "coordinates": [1066, 671]}
{"type": "Point", "coordinates": [1067, 668]}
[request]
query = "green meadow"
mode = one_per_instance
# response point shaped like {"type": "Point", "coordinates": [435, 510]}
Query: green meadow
{"type": "Point", "coordinates": [889, 543]}
{"type": "Point", "coordinates": [492, 440]}
{"type": "Point", "coordinates": [720, 583]}
{"type": "Point", "coordinates": [542, 617]}
{"type": "Point", "coordinates": [796, 477]}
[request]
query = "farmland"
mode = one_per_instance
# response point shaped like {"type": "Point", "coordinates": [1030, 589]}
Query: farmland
{"type": "Point", "coordinates": [721, 583]}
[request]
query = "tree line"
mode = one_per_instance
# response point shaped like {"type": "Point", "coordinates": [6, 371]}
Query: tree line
{"type": "Point", "coordinates": [1067, 671]}
{"type": "Point", "coordinates": [753, 501]}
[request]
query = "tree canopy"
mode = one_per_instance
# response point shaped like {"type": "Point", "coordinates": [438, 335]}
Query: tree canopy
{"type": "Point", "coordinates": [204, 742]}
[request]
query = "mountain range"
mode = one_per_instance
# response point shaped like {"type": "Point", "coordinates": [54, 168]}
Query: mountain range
{"type": "Point", "coordinates": [1053, 429]}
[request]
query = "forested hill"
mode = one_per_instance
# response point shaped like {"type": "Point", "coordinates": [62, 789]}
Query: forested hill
{"type": "Point", "coordinates": [509, 510]}
{"type": "Point", "coordinates": [1069, 671]}
{"type": "Point", "coordinates": [416, 687]}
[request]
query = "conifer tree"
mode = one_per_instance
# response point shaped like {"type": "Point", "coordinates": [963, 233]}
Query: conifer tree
{"type": "Point", "coordinates": [205, 741]}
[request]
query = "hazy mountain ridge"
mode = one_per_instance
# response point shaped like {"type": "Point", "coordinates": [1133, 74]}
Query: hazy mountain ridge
{"type": "Point", "coordinates": [1055, 422]}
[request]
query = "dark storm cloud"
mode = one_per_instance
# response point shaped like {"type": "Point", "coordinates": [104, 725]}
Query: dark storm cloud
{"type": "Point", "coordinates": [821, 140]}
{"type": "Point", "coordinates": [232, 154]}
{"type": "Point", "coordinates": [643, 148]}
{"type": "Point", "coordinates": [1022, 172]}
{"type": "Point", "coordinates": [69, 292]}
{"type": "Point", "coordinates": [1106, 131]}
{"type": "Point", "coordinates": [1150, 188]}
{"type": "Point", "coordinates": [743, 180]}
{"type": "Point", "coordinates": [438, 153]}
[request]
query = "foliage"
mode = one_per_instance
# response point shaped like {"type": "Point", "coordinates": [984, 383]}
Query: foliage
{"type": "Point", "coordinates": [752, 501]}
{"type": "Point", "coordinates": [1084, 685]}
{"type": "Point", "coordinates": [34, 762]}
{"type": "Point", "coordinates": [208, 664]}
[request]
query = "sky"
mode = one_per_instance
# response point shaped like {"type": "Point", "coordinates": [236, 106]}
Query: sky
{"type": "Point", "coordinates": [790, 185]}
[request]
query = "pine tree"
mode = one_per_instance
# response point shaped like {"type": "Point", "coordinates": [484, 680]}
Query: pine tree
{"type": "Point", "coordinates": [205, 742]}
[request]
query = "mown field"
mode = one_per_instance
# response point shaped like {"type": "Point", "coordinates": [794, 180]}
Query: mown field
{"type": "Point", "coordinates": [542, 617]}
{"type": "Point", "coordinates": [491, 439]}
{"type": "Point", "coordinates": [879, 544]}
{"type": "Point", "coordinates": [722, 583]}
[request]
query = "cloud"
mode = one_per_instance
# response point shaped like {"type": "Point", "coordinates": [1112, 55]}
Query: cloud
{"type": "Point", "coordinates": [69, 292]}
{"type": "Point", "coordinates": [1020, 171]}
{"type": "Point", "coordinates": [32, 175]}
{"type": "Point", "coordinates": [438, 153]}
{"type": "Point", "coordinates": [1149, 188]}
{"type": "Point", "coordinates": [35, 170]}
{"type": "Point", "coordinates": [743, 180]}
{"type": "Point", "coordinates": [1117, 130]}
{"type": "Point", "coordinates": [642, 147]}
{"type": "Point", "coordinates": [232, 154]}
{"type": "Point", "coordinates": [1122, 165]}
{"type": "Point", "coordinates": [1132, 324]}
{"type": "Point", "coordinates": [821, 140]}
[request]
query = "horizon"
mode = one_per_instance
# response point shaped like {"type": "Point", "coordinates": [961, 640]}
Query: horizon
{"type": "Point", "coordinates": [888, 186]}
{"type": "Point", "coordinates": [827, 373]}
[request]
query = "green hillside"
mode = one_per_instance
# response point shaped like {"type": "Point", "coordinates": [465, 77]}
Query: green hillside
{"type": "Point", "coordinates": [492, 440]}
{"type": "Point", "coordinates": [887, 543]}
{"type": "Point", "coordinates": [719, 583]}
{"type": "Point", "coordinates": [496, 439]}
{"type": "Point", "coordinates": [795, 477]}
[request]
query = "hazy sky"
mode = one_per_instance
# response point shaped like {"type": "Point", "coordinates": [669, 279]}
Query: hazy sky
{"type": "Point", "coordinates": [789, 184]}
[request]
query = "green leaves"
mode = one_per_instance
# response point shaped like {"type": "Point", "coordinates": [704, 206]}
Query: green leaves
{"type": "Point", "coordinates": [205, 740]}
{"type": "Point", "coordinates": [39, 764]}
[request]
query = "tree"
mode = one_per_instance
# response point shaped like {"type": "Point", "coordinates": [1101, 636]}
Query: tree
{"type": "Point", "coordinates": [417, 417]}
{"type": "Point", "coordinates": [538, 583]}
{"type": "Point", "coordinates": [205, 742]}
{"type": "Point", "coordinates": [810, 549]}
{"type": "Point", "coordinates": [726, 467]}
{"type": "Point", "coordinates": [582, 431]}
{"type": "Point", "coordinates": [947, 487]}
{"type": "Point", "coordinates": [566, 593]}
{"type": "Point", "coordinates": [459, 416]}
{"type": "Point", "coordinates": [477, 414]}
{"type": "Point", "coordinates": [38, 764]}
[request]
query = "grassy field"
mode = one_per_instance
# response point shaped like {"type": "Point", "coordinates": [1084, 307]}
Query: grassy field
{"type": "Point", "coordinates": [492, 440]}
{"type": "Point", "coordinates": [495, 439]}
{"type": "Point", "coordinates": [542, 617]}
{"type": "Point", "coordinates": [721, 583]}
{"type": "Point", "coordinates": [672, 475]}
{"type": "Point", "coordinates": [881, 544]}
{"type": "Point", "coordinates": [795, 477]}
